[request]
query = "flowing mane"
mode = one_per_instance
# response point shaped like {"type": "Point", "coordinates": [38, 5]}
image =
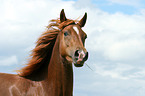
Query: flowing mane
{"type": "Point", "coordinates": [41, 54]}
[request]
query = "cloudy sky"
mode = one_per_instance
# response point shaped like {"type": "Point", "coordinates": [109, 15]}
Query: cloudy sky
{"type": "Point", "coordinates": [116, 41]}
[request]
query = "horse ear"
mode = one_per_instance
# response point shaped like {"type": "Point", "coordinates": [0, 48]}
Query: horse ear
{"type": "Point", "coordinates": [62, 16]}
{"type": "Point", "coordinates": [83, 20]}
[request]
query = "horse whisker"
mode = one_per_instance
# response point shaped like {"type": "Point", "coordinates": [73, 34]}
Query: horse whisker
{"type": "Point", "coordinates": [89, 67]}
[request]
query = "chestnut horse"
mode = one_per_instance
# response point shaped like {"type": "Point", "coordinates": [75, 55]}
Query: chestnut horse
{"type": "Point", "coordinates": [49, 72]}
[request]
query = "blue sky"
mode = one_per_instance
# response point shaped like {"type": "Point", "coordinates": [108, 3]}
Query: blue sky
{"type": "Point", "coordinates": [112, 7]}
{"type": "Point", "coordinates": [116, 41]}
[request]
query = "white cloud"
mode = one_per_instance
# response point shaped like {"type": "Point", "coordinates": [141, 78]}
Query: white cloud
{"type": "Point", "coordinates": [116, 72]}
{"type": "Point", "coordinates": [8, 61]}
{"type": "Point", "coordinates": [120, 71]}
{"type": "Point", "coordinates": [118, 36]}
{"type": "Point", "coordinates": [84, 4]}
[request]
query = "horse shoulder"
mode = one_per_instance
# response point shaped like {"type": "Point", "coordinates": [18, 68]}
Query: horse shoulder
{"type": "Point", "coordinates": [13, 85]}
{"type": "Point", "coordinates": [7, 82]}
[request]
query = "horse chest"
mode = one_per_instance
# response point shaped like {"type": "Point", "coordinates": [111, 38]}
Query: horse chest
{"type": "Point", "coordinates": [36, 90]}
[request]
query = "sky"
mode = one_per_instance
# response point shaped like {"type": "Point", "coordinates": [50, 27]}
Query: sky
{"type": "Point", "coordinates": [116, 41]}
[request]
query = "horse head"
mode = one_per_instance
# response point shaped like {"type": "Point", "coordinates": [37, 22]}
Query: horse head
{"type": "Point", "coordinates": [72, 40]}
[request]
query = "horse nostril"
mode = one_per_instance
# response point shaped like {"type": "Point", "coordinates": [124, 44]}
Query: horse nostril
{"type": "Point", "coordinates": [86, 57]}
{"type": "Point", "coordinates": [77, 53]}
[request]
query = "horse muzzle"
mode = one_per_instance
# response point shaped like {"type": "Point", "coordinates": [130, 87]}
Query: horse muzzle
{"type": "Point", "coordinates": [80, 57]}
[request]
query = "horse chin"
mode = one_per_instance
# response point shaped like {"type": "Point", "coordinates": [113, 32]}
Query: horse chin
{"type": "Point", "coordinates": [79, 64]}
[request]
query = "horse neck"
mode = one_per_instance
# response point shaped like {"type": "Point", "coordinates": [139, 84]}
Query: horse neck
{"type": "Point", "coordinates": [60, 73]}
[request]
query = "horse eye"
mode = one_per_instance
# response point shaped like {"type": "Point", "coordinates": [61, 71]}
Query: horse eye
{"type": "Point", "coordinates": [65, 33]}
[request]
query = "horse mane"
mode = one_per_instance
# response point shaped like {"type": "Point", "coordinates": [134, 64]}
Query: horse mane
{"type": "Point", "coordinates": [41, 54]}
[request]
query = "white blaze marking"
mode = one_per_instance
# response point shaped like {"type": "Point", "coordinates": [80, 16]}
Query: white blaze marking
{"type": "Point", "coordinates": [76, 29]}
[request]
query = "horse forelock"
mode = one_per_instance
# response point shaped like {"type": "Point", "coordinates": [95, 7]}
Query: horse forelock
{"type": "Point", "coordinates": [41, 54]}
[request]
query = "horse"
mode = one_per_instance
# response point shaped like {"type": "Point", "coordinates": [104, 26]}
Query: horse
{"type": "Point", "coordinates": [49, 71]}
